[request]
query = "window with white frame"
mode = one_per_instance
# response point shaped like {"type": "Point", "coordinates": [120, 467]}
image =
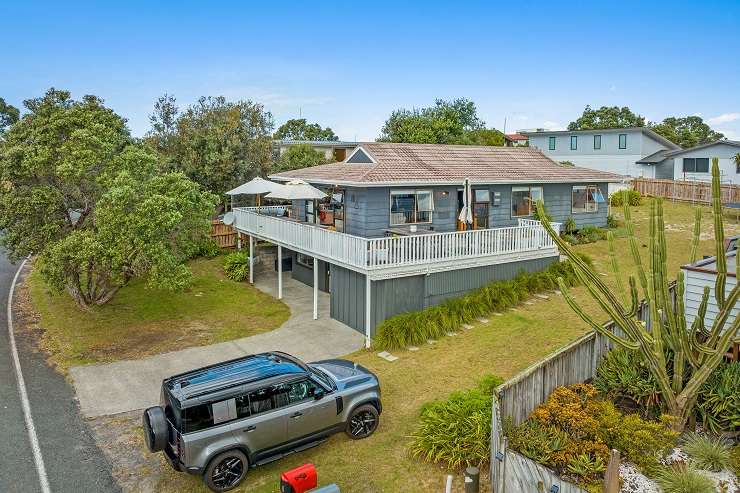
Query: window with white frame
{"type": "Point", "coordinates": [523, 200]}
{"type": "Point", "coordinates": [585, 198]}
{"type": "Point", "coordinates": [411, 207]}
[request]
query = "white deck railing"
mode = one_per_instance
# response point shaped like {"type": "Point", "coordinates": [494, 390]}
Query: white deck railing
{"type": "Point", "coordinates": [398, 251]}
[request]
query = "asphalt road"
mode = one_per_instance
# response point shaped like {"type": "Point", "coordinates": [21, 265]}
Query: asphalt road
{"type": "Point", "coordinates": [73, 462]}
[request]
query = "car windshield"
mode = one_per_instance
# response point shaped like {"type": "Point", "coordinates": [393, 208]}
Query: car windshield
{"type": "Point", "coordinates": [323, 377]}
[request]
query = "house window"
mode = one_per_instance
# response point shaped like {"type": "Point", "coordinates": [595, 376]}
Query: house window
{"type": "Point", "coordinates": [310, 212]}
{"type": "Point", "coordinates": [597, 141]}
{"type": "Point", "coordinates": [573, 142]}
{"type": "Point", "coordinates": [623, 141]}
{"type": "Point", "coordinates": [481, 206]}
{"type": "Point", "coordinates": [304, 260]}
{"type": "Point", "coordinates": [696, 165]}
{"type": "Point", "coordinates": [585, 198]}
{"type": "Point", "coordinates": [523, 199]}
{"type": "Point", "coordinates": [552, 143]}
{"type": "Point", "coordinates": [411, 207]}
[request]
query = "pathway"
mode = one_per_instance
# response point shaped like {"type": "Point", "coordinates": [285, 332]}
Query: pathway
{"type": "Point", "coordinates": [123, 386]}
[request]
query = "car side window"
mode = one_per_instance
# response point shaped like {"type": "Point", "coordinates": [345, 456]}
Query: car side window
{"type": "Point", "coordinates": [301, 391]}
{"type": "Point", "coordinates": [242, 406]}
{"type": "Point", "coordinates": [260, 401]}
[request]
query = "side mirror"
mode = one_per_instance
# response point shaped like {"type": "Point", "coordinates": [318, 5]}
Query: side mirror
{"type": "Point", "coordinates": [319, 394]}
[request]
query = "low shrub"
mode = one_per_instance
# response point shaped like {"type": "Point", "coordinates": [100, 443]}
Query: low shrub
{"type": "Point", "coordinates": [708, 453]}
{"type": "Point", "coordinates": [681, 478]}
{"type": "Point", "coordinates": [633, 196]}
{"type": "Point", "coordinates": [611, 222]}
{"type": "Point", "coordinates": [574, 429]}
{"type": "Point", "coordinates": [413, 328]}
{"type": "Point", "coordinates": [643, 442]}
{"type": "Point", "coordinates": [569, 226]}
{"type": "Point", "coordinates": [718, 404]}
{"type": "Point", "coordinates": [236, 266]}
{"type": "Point", "coordinates": [207, 248]}
{"type": "Point", "coordinates": [735, 460]}
{"type": "Point", "coordinates": [457, 430]}
{"type": "Point", "coordinates": [622, 374]}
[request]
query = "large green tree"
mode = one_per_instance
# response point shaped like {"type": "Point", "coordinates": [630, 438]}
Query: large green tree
{"type": "Point", "coordinates": [688, 131]}
{"type": "Point", "coordinates": [92, 204]}
{"type": "Point", "coordinates": [214, 142]}
{"type": "Point", "coordinates": [9, 114]}
{"type": "Point", "coordinates": [299, 129]}
{"type": "Point", "coordinates": [447, 122]}
{"type": "Point", "coordinates": [299, 156]}
{"type": "Point", "coordinates": [607, 117]}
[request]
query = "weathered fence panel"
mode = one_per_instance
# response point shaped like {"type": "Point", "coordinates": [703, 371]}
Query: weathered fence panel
{"type": "Point", "coordinates": [516, 399]}
{"type": "Point", "coordinates": [686, 191]}
{"type": "Point", "coordinates": [524, 475]}
{"type": "Point", "coordinates": [224, 235]}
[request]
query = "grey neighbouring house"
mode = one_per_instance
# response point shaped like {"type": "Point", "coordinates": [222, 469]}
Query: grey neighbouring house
{"type": "Point", "coordinates": [625, 151]}
{"type": "Point", "coordinates": [387, 238]}
{"type": "Point", "coordinates": [695, 163]}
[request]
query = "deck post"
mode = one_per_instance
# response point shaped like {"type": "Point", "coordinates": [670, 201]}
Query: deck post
{"type": "Point", "coordinates": [251, 259]}
{"type": "Point", "coordinates": [368, 299]}
{"type": "Point", "coordinates": [280, 272]}
{"type": "Point", "coordinates": [238, 240]}
{"type": "Point", "coordinates": [315, 288]}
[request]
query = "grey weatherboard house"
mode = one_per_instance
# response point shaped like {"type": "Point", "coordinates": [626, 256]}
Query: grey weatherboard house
{"type": "Point", "coordinates": [387, 238]}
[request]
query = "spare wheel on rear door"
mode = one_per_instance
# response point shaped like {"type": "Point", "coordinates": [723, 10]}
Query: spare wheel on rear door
{"type": "Point", "coordinates": [155, 428]}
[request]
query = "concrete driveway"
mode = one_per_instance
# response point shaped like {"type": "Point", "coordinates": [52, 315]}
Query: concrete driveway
{"type": "Point", "coordinates": [104, 389]}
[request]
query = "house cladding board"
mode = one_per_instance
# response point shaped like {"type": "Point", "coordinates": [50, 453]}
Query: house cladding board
{"type": "Point", "coordinates": [727, 166]}
{"type": "Point", "coordinates": [367, 210]}
{"type": "Point", "coordinates": [608, 156]}
{"type": "Point", "coordinates": [305, 274]}
{"type": "Point", "coordinates": [694, 289]}
{"type": "Point", "coordinates": [404, 294]}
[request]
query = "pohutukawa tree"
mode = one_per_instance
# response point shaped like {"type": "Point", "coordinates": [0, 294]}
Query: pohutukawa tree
{"type": "Point", "coordinates": [80, 194]}
{"type": "Point", "coordinates": [679, 356]}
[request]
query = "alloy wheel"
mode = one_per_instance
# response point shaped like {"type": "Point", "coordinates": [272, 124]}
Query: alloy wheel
{"type": "Point", "coordinates": [228, 472]}
{"type": "Point", "coordinates": [362, 424]}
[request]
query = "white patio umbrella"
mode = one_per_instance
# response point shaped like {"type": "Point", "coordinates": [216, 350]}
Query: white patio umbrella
{"type": "Point", "coordinates": [466, 213]}
{"type": "Point", "coordinates": [296, 190]}
{"type": "Point", "coordinates": [256, 186]}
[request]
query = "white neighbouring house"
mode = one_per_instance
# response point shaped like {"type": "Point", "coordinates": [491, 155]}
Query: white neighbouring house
{"type": "Point", "coordinates": [624, 151]}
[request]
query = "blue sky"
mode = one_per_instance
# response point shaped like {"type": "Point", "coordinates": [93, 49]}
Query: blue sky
{"type": "Point", "coordinates": [349, 64]}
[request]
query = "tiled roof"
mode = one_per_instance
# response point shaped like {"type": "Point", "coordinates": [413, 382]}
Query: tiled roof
{"type": "Point", "coordinates": [433, 163]}
{"type": "Point", "coordinates": [517, 137]}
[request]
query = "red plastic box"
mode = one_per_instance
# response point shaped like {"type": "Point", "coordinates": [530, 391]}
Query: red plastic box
{"type": "Point", "coordinates": [299, 480]}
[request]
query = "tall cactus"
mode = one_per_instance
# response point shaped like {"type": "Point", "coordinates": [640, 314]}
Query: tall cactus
{"type": "Point", "coordinates": [696, 350]}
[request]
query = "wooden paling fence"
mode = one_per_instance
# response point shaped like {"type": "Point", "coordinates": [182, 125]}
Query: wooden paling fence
{"type": "Point", "coordinates": [515, 400]}
{"type": "Point", "coordinates": [223, 234]}
{"type": "Point", "coordinates": [686, 191]}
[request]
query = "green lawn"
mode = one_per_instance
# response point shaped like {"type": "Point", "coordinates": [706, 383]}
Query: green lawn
{"type": "Point", "coordinates": [141, 321]}
{"type": "Point", "coordinates": [504, 346]}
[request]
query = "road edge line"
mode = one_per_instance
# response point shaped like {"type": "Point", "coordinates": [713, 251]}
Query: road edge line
{"type": "Point", "coordinates": [25, 403]}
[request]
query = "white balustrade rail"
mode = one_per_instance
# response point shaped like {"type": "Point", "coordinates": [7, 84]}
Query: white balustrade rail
{"type": "Point", "coordinates": [398, 251]}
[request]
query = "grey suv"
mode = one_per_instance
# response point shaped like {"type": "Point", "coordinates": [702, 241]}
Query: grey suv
{"type": "Point", "coordinates": [220, 420]}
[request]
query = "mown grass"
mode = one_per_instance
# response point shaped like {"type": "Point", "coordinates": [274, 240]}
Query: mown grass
{"type": "Point", "coordinates": [504, 346]}
{"type": "Point", "coordinates": [139, 321]}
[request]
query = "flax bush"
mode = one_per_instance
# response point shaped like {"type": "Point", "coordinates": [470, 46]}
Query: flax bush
{"type": "Point", "coordinates": [457, 430]}
{"type": "Point", "coordinates": [236, 266]}
{"type": "Point", "coordinates": [414, 328]}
